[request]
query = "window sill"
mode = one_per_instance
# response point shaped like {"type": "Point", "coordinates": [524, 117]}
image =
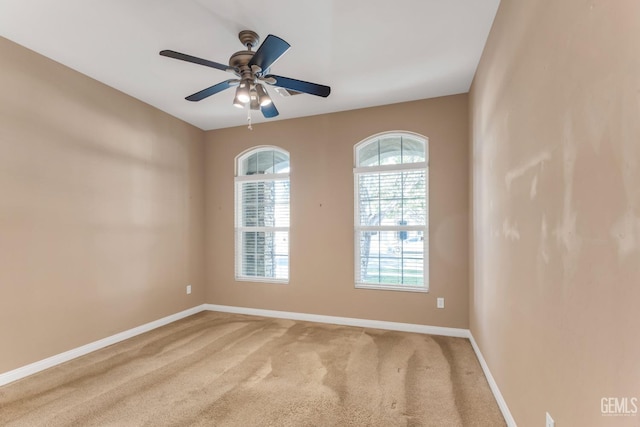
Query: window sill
{"type": "Point", "coordinates": [382, 287]}
{"type": "Point", "coordinates": [263, 280]}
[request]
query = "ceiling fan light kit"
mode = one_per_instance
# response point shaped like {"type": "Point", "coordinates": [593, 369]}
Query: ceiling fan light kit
{"type": "Point", "coordinates": [252, 69]}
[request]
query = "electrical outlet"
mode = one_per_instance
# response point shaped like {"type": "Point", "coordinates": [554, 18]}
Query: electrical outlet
{"type": "Point", "coordinates": [188, 289]}
{"type": "Point", "coordinates": [550, 422]}
{"type": "Point", "coordinates": [440, 303]}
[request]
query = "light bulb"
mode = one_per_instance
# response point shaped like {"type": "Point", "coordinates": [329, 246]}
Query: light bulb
{"type": "Point", "coordinates": [237, 103]}
{"type": "Point", "coordinates": [242, 93]}
{"type": "Point", "coordinates": [254, 103]}
{"type": "Point", "coordinates": [263, 95]}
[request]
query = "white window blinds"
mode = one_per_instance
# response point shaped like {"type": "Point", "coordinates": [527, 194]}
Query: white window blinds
{"type": "Point", "coordinates": [391, 224]}
{"type": "Point", "coordinates": [262, 216]}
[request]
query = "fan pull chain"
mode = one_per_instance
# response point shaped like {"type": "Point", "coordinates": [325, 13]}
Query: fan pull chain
{"type": "Point", "coordinates": [249, 117]}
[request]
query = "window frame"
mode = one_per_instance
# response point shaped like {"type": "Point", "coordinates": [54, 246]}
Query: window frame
{"type": "Point", "coordinates": [359, 171]}
{"type": "Point", "coordinates": [238, 210]}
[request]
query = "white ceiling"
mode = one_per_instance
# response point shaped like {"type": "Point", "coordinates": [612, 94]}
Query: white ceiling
{"type": "Point", "coordinates": [371, 52]}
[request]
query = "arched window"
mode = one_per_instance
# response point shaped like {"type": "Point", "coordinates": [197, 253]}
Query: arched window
{"type": "Point", "coordinates": [262, 215]}
{"type": "Point", "coordinates": [392, 212]}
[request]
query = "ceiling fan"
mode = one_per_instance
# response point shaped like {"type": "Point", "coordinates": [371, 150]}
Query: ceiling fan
{"type": "Point", "coordinates": [252, 70]}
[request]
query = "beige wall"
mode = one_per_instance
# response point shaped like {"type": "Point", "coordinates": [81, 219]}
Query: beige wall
{"type": "Point", "coordinates": [556, 204]}
{"type": "Point", "coordinates": [101, 210]}
{"type": "Point", "coordinates": [321, 245]}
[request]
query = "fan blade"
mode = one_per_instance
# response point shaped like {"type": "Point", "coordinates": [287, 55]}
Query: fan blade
{"type": "Point", "coordinates": [272, 48]}
{"type": "Point", "coordinates": [269, 111]}
{"type": "Point", "coordinates": [195, 60]}
{"type": "Point", "coordinates": [300, 86]}
{"type": "Point", "coordinates": [204, 93]}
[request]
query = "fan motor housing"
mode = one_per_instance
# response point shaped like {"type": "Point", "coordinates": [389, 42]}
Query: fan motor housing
{"type": "Point", "coordinates": [241, 58]}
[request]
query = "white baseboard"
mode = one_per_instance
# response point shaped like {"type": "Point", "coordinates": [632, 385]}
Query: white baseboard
{"type": "Point", "coordinates": [347, 321]}
{"type": "Point", "coordinates": [502, 404]}
{"type": "Point", "coordinates": [52, 361]}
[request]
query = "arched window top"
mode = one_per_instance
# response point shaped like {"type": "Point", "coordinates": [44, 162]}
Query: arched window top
{"type": "Point", "coordinates": [391, 148]}
{"type": "Point", "coordinates": [262, 161]}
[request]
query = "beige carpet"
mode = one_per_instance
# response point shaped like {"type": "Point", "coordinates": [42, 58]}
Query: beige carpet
{"type": "Point", "coordinates": [215, 369]}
